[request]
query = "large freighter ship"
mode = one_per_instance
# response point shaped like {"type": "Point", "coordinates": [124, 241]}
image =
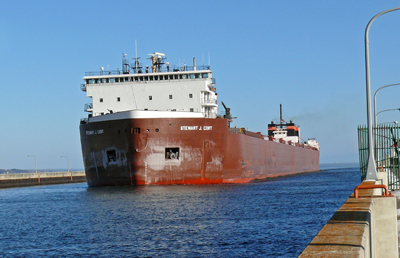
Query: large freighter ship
{"type": "Point", "coordinates": [161, 126]}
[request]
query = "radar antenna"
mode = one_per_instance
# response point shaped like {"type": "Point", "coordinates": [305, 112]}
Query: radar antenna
{"type": "Point", "coordinates": [137, 68]}
{"type": "Point", "coordinates": [158, 59]}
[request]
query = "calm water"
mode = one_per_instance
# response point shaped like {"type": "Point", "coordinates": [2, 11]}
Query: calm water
{"type": "Point", "coordinates": [275, 218]}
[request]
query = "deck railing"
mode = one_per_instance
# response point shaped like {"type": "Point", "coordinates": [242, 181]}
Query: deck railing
{"type": "Point", "coordinates": [88, 107]}
{"type": "Point", "coordinates": [83, 87]}
{"type": "Point", "coordinates": [211, 101]}
{"type": "Point", "coordinates": [162, 70]}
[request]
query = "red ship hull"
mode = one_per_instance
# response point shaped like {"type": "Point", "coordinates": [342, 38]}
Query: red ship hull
{"type": "Point", "coordinates": [164, 151]}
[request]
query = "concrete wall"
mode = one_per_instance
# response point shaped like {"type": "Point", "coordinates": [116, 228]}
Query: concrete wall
{"type": "Point", "coordinates": [30, 179]}
{"type": "Point", "coordinates": [362, 227]}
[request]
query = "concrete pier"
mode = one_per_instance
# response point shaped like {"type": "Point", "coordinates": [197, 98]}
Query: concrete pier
{"type": "Point", "coordinates": [363, 227]}
{"type": "Point", "coordinates": [397, 195]}
{"type": "Point", "coordinates": [45, 178]}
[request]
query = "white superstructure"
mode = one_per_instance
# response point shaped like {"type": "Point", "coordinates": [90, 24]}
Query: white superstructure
{"type": "Point", "coordinates": [282, 133]}
{"type": "Point", "coordinates": [184, 89]}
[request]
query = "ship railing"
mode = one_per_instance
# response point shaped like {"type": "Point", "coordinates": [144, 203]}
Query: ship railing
{"type": "Point", "coordinates": [111, 72]}
{"type": "Point", "coordinates": [84, 121]}
{"type": "Point", "coordinates": [83, 87]}
{"type": "Point", "coordinates": [183, 68]}
{"type": "Point", "coordinates": [235, 130]}
{"type": "Point", "coordinates": [162, 70]}
{"type": "Point", "coordinates": [208, 101]}
{"type": "Point", "coordinates": [88, 107]}
{"type": "Point", "coordinates": [246, 132]}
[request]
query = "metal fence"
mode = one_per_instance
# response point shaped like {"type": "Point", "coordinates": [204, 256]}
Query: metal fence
{"type": "Point", "coordinates": [386, 149]}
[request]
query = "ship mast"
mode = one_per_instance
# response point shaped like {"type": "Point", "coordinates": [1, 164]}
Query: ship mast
{"type": "Point", "coordinates": [137, 68]}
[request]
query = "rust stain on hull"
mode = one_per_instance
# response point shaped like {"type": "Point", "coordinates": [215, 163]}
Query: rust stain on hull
{"type": "Point", "coordinates": [162, 152]}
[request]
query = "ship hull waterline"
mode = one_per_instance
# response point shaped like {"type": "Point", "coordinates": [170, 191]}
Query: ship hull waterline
{"type": "Point", "coordinates": [165, 151]}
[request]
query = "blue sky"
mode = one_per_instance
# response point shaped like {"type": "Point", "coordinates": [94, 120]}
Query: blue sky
{"type": "Point", "coordinates": [306, 55]}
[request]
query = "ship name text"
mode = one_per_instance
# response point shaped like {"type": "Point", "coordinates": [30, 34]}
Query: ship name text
{"type": "Point", "coordinates": [196, 128]}
{"type": "Point", "coordinates": [101, 131]}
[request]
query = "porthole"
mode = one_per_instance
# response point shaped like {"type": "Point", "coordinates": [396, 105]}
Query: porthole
{"type": "Point", "coordinates": [157, 130]}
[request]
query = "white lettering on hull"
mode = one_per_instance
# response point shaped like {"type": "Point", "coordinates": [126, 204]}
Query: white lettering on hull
{"type": "Point", "coordinates": [101, 131]}
{"type": "Point", "coordinates": [195, 128]}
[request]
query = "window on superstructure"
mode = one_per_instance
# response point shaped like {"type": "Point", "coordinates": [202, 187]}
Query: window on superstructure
{"type": "Point", "coordinates": [181, 76]}
{"type": "Point", "coordinates": [156, 78]}
{"type": "Point", "coordinates": [161, 77]}
{"type": "Point", "coordinates": [204, 75]}
{"type": "Point", "coordinates": [197, 76]}
{"type": "Point", "coordinates": [141, 78]}
{"type": "Point", "coordinates": [192, 110]}
{"type": "Point", "coordinates": [170, 96]}
{"type": "Point", "coordinates": [112, 80]}
{"type": "Point", "coordinates": [191, 95]}
{"type": "Point", "coordinates": [89, 81]}
{"type": "Point", "coordinates": [126, 79]}
{"type": "Point", "coordinates": [118, 99]}
{"type": "Point", "coordinates": [151, 78]}
{"type": "Point", "coordinates": [176, 77]}
{"type": "Point", "coordinates": [166, 77]}
{"type": "Point", "coordinates": [185, 76]}
{"type": "Point", "coordinates": [150, 97]}
{"type": "Point", "coordinates": [96, 80]}
{"type": "Point", "coordinates": [146, 78]}
{"type": "Point", "coordinates": [136, 79]}
{"type": "Point", "coordinates": [116, 79]}
{"type": "Point", "coordinates": [191, 76]}
{"type": "Point", "coordinates": [101, 99]}
{"type": "Point", "coordinates": [171, 77]}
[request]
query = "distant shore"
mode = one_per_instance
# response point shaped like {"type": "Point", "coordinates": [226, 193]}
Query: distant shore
{"type": "Point", "coordinates": [21, 171]}
{"type": "Point", "coordinates": [40, 178]}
